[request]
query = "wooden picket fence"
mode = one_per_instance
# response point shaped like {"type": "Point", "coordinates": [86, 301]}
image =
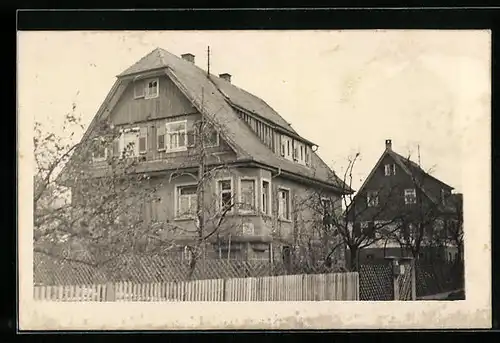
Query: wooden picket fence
{"type": "Point", "coordinates": [313, 287]}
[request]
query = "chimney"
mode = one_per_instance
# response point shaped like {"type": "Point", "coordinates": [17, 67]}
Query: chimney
{"type": "Point", "coordinates": [226, 77]}
{"type": "Point", "coordinates": [188, 57]}
{"type": "Point", "coordinates": [388, 144]}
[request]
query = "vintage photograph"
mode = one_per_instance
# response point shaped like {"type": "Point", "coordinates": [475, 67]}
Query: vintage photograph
{"type": "Point", "coordinates": [250, 166]}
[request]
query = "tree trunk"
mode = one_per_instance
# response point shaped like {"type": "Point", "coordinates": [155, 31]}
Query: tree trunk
{"type": "Point", "coordinates": [353, 258]}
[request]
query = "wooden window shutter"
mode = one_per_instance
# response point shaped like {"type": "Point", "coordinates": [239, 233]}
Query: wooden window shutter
{"type": "Point", "coordinates": [143, 140]}
{"type": "Point", "coordinates": [160, 137]}
{"type": "Point", "coordinates": [139, 89]}
{"type": "Point", "coordinates": [116, 148]}
{"type": "Point", "coordinates": [191, 138]}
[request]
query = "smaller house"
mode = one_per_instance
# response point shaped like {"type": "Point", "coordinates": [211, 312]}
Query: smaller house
{"type": "Point", "coordinates": [414, 212]}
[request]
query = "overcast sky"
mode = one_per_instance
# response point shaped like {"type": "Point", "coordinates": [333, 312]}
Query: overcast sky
{"type": "Point", "coordinates": [347, 91]}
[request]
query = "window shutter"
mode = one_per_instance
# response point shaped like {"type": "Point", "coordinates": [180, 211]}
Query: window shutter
{"type": "Point", "coordinates": [143, 140]}
{"type": "Point", "coordinates": [138, 89]}
{"type": "Point", "coordinates": [190, 138]}
{"type": "Point", "coordinates": [116, 148]}
{"type": "Point", "coordinates": [160, 137]}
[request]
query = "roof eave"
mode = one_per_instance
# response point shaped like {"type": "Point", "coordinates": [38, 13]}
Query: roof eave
{"type": "Point", "coordinates": [140, 73]}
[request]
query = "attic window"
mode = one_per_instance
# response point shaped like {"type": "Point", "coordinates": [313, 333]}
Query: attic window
{"type": "Point", "coordinates": [390, 169]}
{"type": "Point", "coordinates": [152, 89]}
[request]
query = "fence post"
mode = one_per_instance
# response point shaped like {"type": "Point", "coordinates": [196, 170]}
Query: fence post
{"type": "Point", "coordinates": [110, 292]}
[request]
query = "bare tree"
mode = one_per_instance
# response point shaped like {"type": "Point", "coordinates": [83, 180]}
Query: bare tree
{"type": "Point", "coordinates": [423, 222]}
{"type": "Point", "coordinates": [354, 221]}
{"type": "Point", "coordinates": [105, 217]}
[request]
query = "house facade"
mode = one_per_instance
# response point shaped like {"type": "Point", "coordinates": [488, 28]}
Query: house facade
{"type": "Point", "coordinates": [411, 209]}
{"type": "Point", "coordinates": [259, 166]}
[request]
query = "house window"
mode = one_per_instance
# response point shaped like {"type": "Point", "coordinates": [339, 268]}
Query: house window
{"type": "Point", "coordinates": [284, 204]}
{"type": "Point", "coordinates": [186, 254]}
{"type": "Point", "coordinates": [368, 229]}
{"type": "Point", "coordinates": [211, 137]}
{"type": "Point", "coordinates": [129, 142]}
{"type": "Point", "coordinates": [100, 151]}
{"type": "Point", "coordinates": [176, 136]}
{"type": "Point", "coordinates": [160, 138]}
{"type": "Point", "coordinates": [372, 199]}
{"type": "Point", "coordinates": [155, 206]}
{"type": "Point", "coordinates": [327, 211]}
{"type": "Point", "coordinates": [266, 197]}
{"type": "Point", "coordinates": [225, 194]}
{"type": "Point", "coordinates": [308, 156]}
{"type": "Point", "coordinates": [390, 169]}
{"type": "Point", "coordinates": [247, 195]}
{"type": "Point", "coordinates": [186, 201]}
{"type": "Point", "coordinates": [283, 147]}
{"type": "Point", "coordinates": [410, 196]}
{"type": "Point", "coordinates": [151, 89]}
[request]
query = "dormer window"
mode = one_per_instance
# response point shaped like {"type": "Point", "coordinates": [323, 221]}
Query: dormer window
{"type": "Point", "coordinates": [390, 169]}
{"type": "Point", "coordinates": [151, 89]}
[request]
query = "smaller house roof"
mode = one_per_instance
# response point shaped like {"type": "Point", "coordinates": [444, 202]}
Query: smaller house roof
{"type": "Point", "coordinates": [413, 170]}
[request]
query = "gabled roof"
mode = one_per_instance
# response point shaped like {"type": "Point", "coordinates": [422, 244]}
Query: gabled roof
{"type": "Point", "coordinates": [413, 170]}
{"type": "Point", "coordinates": [215, 98]}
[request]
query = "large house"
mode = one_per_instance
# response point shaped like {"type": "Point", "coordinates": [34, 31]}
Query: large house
{"type": "Point", "coordinates": [409, 207]}
{"type": "Point", "coordinates": [157, 104]}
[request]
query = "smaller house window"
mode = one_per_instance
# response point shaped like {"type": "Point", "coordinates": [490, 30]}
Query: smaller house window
{"type": "Point", "coordinates": [443, 196]}
{"type": "Point", "coordinates": [266, 196]}
{"type": "Point", "coordinates": [225, 194]}
{"type": "Point", "coordinates": [247, 195]}
{"type": "Point", "coordinates": [372, 199]}
{"type": "Point", "coordinates": [410, 196]}
{"type": "Point", "coordinates": [151, 89]}
{"type": "Point", "coordinates": [390, 169]}
{"type": "Point", "coordinates": [186, 201]}
{"type": "Point", "coordinates": [284, 204]}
